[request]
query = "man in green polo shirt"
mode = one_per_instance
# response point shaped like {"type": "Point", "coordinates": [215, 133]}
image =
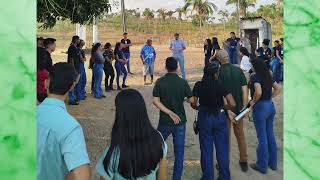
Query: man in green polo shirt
{"type": "Point", "coordinates": [233, 79]}
{"type": "Point", "coordinates": [168, 95]}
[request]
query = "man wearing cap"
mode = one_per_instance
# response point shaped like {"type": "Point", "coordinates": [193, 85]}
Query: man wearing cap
{"type": "Point", "coordinates": [148, 56]}
{"type": "Point", "coordinates": [61, 147]}
{"type": "Point", "coordinates": [177, 46]}
{"type": "Point", "coordinates": [126, 43]}
{"type": "Point", "coordinates": [234, 80]}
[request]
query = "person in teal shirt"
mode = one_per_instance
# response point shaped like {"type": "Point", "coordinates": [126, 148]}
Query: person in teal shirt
{"type": "Point", "coordinates": [137, 150]}
{"type": "Point", "coordinates": [61, 148]}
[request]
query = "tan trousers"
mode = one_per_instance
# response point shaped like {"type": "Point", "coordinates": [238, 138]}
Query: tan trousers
{"type": "Point", "coordinates": [239, 133]}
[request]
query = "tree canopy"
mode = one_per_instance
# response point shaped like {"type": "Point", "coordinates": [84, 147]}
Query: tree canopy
{"type": "Point", "coordinates": [77, 11]}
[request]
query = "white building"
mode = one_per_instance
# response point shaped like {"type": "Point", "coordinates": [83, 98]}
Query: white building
{"type": "Point", "coordinates": [256, 29]}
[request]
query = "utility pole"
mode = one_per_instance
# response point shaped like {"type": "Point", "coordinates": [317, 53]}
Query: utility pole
{"type": "Point", "coordinates": [123, 15]}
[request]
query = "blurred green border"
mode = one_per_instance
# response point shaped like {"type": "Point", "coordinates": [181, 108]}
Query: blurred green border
{"type": "Point", "coordinates": [301, 90]}
{"type": "Point", "coordinates": [18, 87]}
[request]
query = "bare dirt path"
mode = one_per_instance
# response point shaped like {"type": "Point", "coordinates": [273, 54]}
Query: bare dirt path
{"type": "Point", "coordinates": [97, 116]}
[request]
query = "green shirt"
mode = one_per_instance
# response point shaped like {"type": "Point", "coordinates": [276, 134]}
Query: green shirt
{"type": "Point", "coordinates": [233, 78]}
{"type": "Point", "coordinates": [171, 89]}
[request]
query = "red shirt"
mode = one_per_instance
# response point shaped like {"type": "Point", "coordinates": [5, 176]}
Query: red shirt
{"type": "Point", "coordinates": [42, 75]}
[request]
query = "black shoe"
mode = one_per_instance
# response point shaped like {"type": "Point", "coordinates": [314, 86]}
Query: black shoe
{"type": "Point", "coordinates": [254, 167]}
{"type": "Point", "coordinates": [107, 89]}
{"type": "Point", "coordinates": [103, 96]}
{"type": "Point", "coordinates": [124, 86]}
{"type": "Point", "coordinates": [119, 88]}
{"type": "Point", "coordinates": [111, 88]}
{"type": "Point", "coordinates": [98, 97]}
{"type": "Point", "coordinates": [73, 103]}
{"type": "Point", "coordinates": [244, 166]}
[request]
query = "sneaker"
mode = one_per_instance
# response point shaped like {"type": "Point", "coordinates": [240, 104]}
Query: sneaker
{"type": "Point", "coordinates": [103, 96]}
{"type": "Point", "coordinates": [119, 88]}
{"type": "Point", "coordinates": [124, 86]}
{"type": "Point", "coordinates": [111, 88]}
{"type": "Point", "coordinates": [73, 103]}
{"type": "Point", "coordinates": [244, 166]}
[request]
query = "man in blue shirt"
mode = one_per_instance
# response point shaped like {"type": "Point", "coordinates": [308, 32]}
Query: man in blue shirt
{"type": "Point", "coordinates": [233, 43]}
{"type": "Point", "coordinates": [61, 148]}
{"type": "Point", "coordinates": [177, 46]}
{"type": "Point", "coordinates": [148, 56]}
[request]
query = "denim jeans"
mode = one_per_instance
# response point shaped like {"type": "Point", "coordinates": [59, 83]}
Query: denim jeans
{"type": "Point", "coordinates": [277, 69]}
{"type": "Point", "coordinates": [82, 82]}
{"type": "Point", "coordinates": [127, 56]}
{"type": "Point", "coordinates": [263, 116]}
{"type": "Point", "coordinates": [75, 93]}
{"type": "Point", "coordinates": [98, 73]}
{"type": "Point", "coordinates": [178, 134]}
{"type": "Point", "coordinates": [213, 130]}
{"type": "Point", "coordinates": [233, 55]}
{"type": "Point", "coordinates": [120, 69]}
{"type": "Point", "coordinates": [180, 58]}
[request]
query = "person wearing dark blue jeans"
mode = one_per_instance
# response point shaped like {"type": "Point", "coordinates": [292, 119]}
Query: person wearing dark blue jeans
{"type": "Point", "coordinates": [120, 69]}
{"type": "Point", "coordinates": [263, 115]}
{"type": "Point", "coordinates": [98, 73]}
{"type": "Point", "coordinates": [126, 43]}
{"type": "Point", "coordinates": [82, 71]}
{"type": "Point", "coordinates": [178, 134]}
{"type": "Point", "coordinates": [98, 62]}
{"type": "Point", "coordinates": [212, 122]}
{"type": "Point", "coordinates": [119, 65]}
{"type": "Point", "coordinates": [233, 43]}
{"type": "Point", "coordinates": [263, 89]}
{"type": "Point", "coordinates": [169, 94]}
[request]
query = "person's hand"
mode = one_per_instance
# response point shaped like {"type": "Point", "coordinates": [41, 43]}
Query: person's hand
{"type": "Point", "coordinates": [175, 118]}
{"type": "Point", "coordinates": [251, 104]}
{"type": "Point", "coordinates": [231, 116]}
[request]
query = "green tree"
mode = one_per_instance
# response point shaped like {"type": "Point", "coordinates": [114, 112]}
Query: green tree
{"type": "Point", "coordinates": [162, 13]}
{"type": "Point", "coordinates": [224, 17]}
{"type": "Point", "coordinates": [203, 9]}
{"type": "Point", "coordinates": [77, 11]}
{"type": "Point", "coordinates": [244, 5]}
{"type": "Point", "coordinates": [170, 14]}
{"type": "Point", "coordinates": [148, 14]}
{"type": "Point", "coordinates": [180, 11]}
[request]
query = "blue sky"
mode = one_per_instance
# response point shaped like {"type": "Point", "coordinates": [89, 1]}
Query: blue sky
{"type": "Point", "coordinates": [173, 4]}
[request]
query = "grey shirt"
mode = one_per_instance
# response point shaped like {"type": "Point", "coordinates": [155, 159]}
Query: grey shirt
{"type": "Point", "coordinates": [98, 58]}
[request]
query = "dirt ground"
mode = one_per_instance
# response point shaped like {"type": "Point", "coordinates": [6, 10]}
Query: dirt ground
{"type": "Point", "coordinates": [97, 117]}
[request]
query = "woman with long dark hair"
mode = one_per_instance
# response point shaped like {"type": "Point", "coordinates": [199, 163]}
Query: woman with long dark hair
{"type": "Point", "coordinates": [263, 89]}
{"type": "Point", "coordinates": [212, 122]}
{"type": "Point", "coordinates": [215, 50]}
{"type": "Point", "coordinates": [137, 150]}
{"type": "Point", "coordinates": [119, 65]}
{"type": "Point", "coordinates": [245, 64]}
{"type": "Point", "coordinates": [207, 51]}
{"type": "Point", "coordinates": [98, 61]}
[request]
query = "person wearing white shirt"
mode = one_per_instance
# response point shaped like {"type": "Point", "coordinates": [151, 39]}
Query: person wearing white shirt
{"type": "Point", "coordinates": [245, 63]}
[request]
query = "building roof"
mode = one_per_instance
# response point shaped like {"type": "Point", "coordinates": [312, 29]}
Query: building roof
{"type": "Point", "coordinates": [253, 18]}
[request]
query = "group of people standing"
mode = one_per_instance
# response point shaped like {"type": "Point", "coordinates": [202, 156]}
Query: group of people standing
{"type": "Point", "coordinates": [137, 150]}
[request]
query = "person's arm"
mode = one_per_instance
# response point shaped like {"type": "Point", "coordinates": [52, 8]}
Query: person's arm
{"type": "Point", "coordinates": [275, 89]}
{"type": "Point", "coordinates": [80, 173]}
{"type": "Point", "coordinates": [229, 102]}
{"type": "Point", "coordinates": [245, 95]}
{"type": "Point", "coordinates": [257, 94]}
{"type": "Point", "coordinates": [183, 46]}
{"type": "Point", "coordinates": [142, 60]}
{"type": "Point", "coordinates": [170, 48]}
{"type": "Point", "coordinates": [118, 59]}
{"type": "Point", "coordinates": [278, 56]}
{"type": "Point", "coordinates": [175, 118]}
{"type": "Point", "coordinates": [194, 102]}
{"type": "Point", "coordinates": [214, 54]}
{"type": "Point", "coordinates": [162, 172]}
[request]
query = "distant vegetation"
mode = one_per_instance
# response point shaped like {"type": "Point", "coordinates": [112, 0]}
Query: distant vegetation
{"type": "Point", "coordinates": [195, 20]}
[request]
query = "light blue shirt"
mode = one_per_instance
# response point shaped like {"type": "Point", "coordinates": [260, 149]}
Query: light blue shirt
{"type": "Point", "coordinates": [114, 164]}
{"type": "Point", "coordinates": [149, 54]}
{"type": "Point", "coordinates": [177, 47]}
{"type": "Point", "coordinates": [60, 142]}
